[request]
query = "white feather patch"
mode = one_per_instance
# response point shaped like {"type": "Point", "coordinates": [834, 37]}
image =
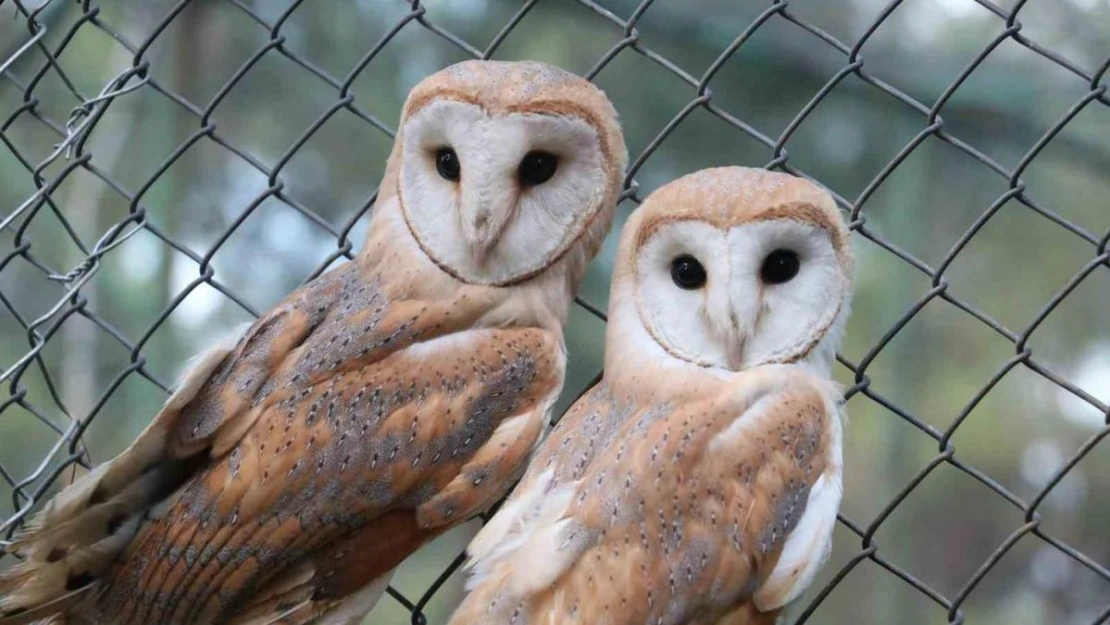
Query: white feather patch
{"type": "Point", "coordinates": [791, 316]}
{"type": "Point", "coordinates": [735, 321]}
{"type": "Point", "coordinates": [508, 528]}
{"type": "Point", "coordinates": [543, 559]}
{"type": "Point", "coordinates": [524, 537]}
{"type": "Point", "coordinates": [807, 547]}
{"type": "Point", "coordinates": [536, 223]}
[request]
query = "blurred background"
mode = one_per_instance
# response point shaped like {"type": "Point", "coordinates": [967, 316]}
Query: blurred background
{"type": "Point", "coordinates": [236, 88]}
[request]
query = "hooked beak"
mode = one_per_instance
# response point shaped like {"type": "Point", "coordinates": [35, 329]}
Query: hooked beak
{"type": "Point", "coordinates": [742, 318]}
{"type": "Point", "coordinates": [485, 216]}
{"type": "Point", "coordinates": [734, 348]}
{"type": "Point", "coordinates": [483, 230]}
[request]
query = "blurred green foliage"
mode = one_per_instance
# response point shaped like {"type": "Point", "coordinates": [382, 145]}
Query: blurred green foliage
{"type": "Point", "coordinates": [1018, 435]}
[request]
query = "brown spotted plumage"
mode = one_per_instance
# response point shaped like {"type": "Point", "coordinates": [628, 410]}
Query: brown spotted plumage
{"type": "Point", "coordinates": [297, 464]}
{"type": "Point", "coordinates": [688, 488]}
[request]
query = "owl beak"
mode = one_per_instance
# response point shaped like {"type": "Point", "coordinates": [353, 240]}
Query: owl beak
{"type": "Point", "coordinates": [484, 221]}
{"type": "Point", "coordinates": [734, 347]}
{"type": "Point", "coordinates": [743, 318]}
{"type": "Point", "coordinates": [483, 231]}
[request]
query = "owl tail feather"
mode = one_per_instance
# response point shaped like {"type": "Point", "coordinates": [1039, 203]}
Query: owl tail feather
{"type": "Point", "coordinates": [50, 613]}
{"type": "Point", "coordinates": [490, 603]}
{"type": "Point", "coordinates": [296, 602]}
{"type": "Point", "coordinates": [65, 554]}
{"type": "Point", "coordinates": [72, 542]}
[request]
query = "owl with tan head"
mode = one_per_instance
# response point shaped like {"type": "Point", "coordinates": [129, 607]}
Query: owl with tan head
{"type": "Point", "coordinates": [698, 483]}
{"type": "Point", "coordinates": [385, 401]}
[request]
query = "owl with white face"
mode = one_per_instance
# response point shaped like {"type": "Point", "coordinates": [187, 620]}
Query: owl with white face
{"type": "Point", "coordinates": [699, 481]}
{"type": "Point", "coordinates": [382, 403]}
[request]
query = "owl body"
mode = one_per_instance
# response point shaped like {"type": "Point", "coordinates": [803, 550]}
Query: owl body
{"type": "Point", "coordinates": [722, 476]}
{"type": "Point", "coordinates": [699, 481]}
{"type": "Point", "coordinates": [385, 401]}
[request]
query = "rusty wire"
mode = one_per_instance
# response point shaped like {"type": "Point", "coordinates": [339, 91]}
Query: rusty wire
{"type": "Point", "coordinates": [71, 154]}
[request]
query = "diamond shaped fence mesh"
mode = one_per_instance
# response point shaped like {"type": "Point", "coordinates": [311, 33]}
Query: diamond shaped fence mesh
{"type": "Point", "coordinates": [168, 169]}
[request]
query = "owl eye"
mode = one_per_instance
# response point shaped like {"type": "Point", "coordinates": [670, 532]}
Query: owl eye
{"type": "Point", "coordinates": [687, 272]}
{"type": "Point", "coordinates": [780, 266]}
{"type": "Point", "coordinates": [447, 164]}
{"type": "Point", "coordinates": [537, 168]}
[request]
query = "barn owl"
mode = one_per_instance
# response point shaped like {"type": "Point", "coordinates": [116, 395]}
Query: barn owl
{"type": "Point", "coordinates": [698, 483]}
{"type": "Point", "coordinates": [385, 401]}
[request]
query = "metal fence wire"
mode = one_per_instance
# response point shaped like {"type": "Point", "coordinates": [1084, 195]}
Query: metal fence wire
{"type": "Point", "coordinates": [71, 156]}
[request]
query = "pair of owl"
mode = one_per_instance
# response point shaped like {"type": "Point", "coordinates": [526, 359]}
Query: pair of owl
{"type": "Point", "coordinates": [297, 464]}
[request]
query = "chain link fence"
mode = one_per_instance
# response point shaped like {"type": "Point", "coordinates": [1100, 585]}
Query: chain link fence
{"type": "Point", "coordinates": [58, 252]}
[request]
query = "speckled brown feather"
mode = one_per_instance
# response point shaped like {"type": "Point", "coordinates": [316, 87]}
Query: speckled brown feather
{"type": "Point", "coordinates": [367, 413]}
{"type": "Point", "coordinates": [342, 436]}
{"type": "Point", "coordinates": [664, 526]}
{"type": "Point", "coordinates": [330, 459]}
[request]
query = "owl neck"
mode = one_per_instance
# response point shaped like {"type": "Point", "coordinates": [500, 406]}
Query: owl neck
{"type": "Point", "coordinates": [822, 356]}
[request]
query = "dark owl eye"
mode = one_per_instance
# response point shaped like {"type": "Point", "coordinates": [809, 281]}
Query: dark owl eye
{"type": "Point", "coordinates": [687, 272]}
{"type": "Point", "coordinates": [447, 164]}
{"type": "Point", "coordinates": [780, 266]}
{"type": "Point", "coordinates": [537, 168]}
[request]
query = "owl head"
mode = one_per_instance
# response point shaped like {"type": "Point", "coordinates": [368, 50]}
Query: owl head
{"type": "Point", "coordinates": [501, 170]}
{"type": "Point", "coordinates": [732, 268]}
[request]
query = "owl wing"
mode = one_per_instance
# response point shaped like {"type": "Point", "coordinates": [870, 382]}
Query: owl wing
{"type": "Point", "coordinates": [586, 429]}
{"type": "Point", "coordinates": [788, 444]}
{"type": "Point", "coordinates": [348, 478]}
{"type": "Point", "coordinates": [91, 521]}
{"type": "Point", "coordinates": [340, 323]}
{"type": "Point", "coordinates": [690, 512]}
